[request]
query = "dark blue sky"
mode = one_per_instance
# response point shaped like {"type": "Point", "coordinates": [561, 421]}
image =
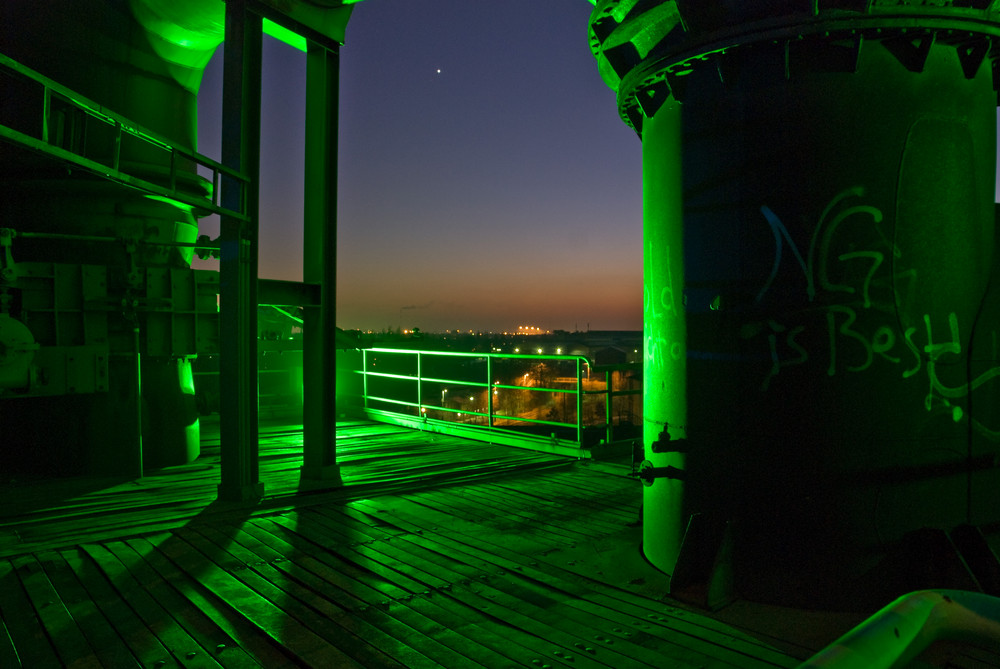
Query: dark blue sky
{"type": "Point", "coordinates": [502, 191]}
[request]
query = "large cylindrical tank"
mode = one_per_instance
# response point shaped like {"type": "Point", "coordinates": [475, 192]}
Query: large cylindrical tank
{"type": "Point", "coordinates": [820, 256]}
{"type": "Point", "coordinates": [142, 59]}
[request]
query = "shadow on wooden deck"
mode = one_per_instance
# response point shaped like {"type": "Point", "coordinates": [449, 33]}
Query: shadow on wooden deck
{"type": "Point", "coordinates": [535, 569]}
{"type": "Point", "coordinates": [375, 459]}
{"type": "Point", "coordinates": [535, 565]}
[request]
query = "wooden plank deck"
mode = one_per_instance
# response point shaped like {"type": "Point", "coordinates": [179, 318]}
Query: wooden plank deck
{"type": "Point", "coordinates": [529, 570]}
{"type": "Point", "coordinates": [516, 567]}
{"type": "Point", "coordinates": [374, 458]}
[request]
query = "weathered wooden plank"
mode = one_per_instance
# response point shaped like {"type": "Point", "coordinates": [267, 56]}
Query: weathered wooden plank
{"type": "Point", "coordinates": [664, 626]}
{"type": "Point", "coordinates": [488, 566]}
{"type": "Point", "coordinates": [243, 635]}
{"type": "Point", "coordinates": [515, 591]}
{"type": "Point", "coordinates": [302, 606]}
{"type": "Point", "coordinates": [142, 643]}
{"type": "Point", "coordinates": [614, 503]}
{"type": "Point", "coordinates": [303, 569]}
{"type": "Point", "coordinates": [108, 646]}
{"type": "Point", "coordinates": [431, 515]}
{"type": "Point", "coordinates": [184, 649]}
{"type": "Point", "coordinates": [388, 631]}
{"type": "Point", "coordinates": [452, 614]}
{"type": "Point", "coordinates": [23, 624]}
{"type": "Point", "coordinates": [70, 644]}
{"type": "Point", "coordinates": [347, 589]}
{"type": "Point", "coordinates": [552, 519]}
{"type": "Point", "coordinates": [55, 514]}
{"type": "Point", "coordinates": [604, 506]}
{"type": "Point", "coordinates": [372, 604]}
{"type": "Point", "coordinates": [491, 587]}
{"type": "Point", "coordinates": [396, 575]}
{"type": "Point", "coordinates": [193, 621]}
{"type": "Point", "coordinates": [8, 654]}
{"type": "Point", "coordinates": [508, 588]}
{"type": "Point", "coordinates": [303, 644]}
{"type": "Point", "coordinates": [516, 530]}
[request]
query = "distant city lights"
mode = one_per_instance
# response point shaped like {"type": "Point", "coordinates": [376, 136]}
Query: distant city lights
{"type": "Point", "coordinates": [531, 330]}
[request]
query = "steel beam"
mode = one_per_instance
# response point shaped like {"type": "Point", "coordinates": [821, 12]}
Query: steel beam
{"type": "Point", "coordinates": [238, 261]}
{"type": "Point", "coordinates": [319, 263]}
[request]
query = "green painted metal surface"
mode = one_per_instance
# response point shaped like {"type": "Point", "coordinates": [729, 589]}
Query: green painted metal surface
{"type": "Point", "coordinates": [818, 183]}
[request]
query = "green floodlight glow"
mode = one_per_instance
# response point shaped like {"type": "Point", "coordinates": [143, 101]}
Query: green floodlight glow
{"type": "Point", "coordinates": [167, 200]}
{"type": "Point", "coordinates": [283, 34]}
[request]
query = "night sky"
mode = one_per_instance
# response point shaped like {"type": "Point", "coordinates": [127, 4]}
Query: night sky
{"type": "Point", "coordinates": [501, 191]}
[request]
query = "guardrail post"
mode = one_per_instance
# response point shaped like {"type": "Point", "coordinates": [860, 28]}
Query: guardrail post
{"type": "Point", "coordinates": [420, 385]}
{"type": "Point", "coordinates": [364, 377]}
{"type": "Point", "coordinates": [579, 402]}
{"type": "Point", "coordinates": [489, 390]}
{"type": "Point", "coordinates": [608, 409]}
{"type": "Point", "coordinates": [46, 111]}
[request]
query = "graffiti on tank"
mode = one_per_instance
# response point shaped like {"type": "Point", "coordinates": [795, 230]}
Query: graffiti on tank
{"type": "Point", "coordinates": [660, 306]}
{"type": "Point", "coordinates": [938, 392]}
{"type": "Point", "coordinates": [853, 346]}
{"type": "Point", "coordinates": [789, 339]}
{"type": "Point", "coordinates": [848, 348]}
{"type": "Point", "coordinates": [815, 264]}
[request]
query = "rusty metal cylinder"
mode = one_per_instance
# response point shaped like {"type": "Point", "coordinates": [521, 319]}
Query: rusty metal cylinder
{"type": "Point", "coordinates": [820, 260]}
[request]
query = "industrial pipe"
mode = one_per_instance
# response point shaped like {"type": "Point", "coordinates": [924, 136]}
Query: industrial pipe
{"type": "Point", "coordinates": [896, 635]}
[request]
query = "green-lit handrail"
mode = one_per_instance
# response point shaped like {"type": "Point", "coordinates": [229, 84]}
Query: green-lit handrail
{"type": "Point", "coordinates": [50, 89]}
{"type": "Point", "coordinates": [491, 415]}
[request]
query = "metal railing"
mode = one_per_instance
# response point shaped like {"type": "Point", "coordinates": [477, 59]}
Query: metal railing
{"type": "Point", "coordinates": [68, 128]}
{"type": "Point", "coordinates": [558, 403]}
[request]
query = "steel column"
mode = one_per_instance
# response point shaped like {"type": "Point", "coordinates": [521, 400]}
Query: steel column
{"type": "Point", "coordinates": [319, 265]}
{"type": "Point", "coordinates": [238, 261]}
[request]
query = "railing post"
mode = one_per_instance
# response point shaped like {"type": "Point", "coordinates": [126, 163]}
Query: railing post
{"type": "Point", "coordinates": [117, 156]}
{"type": "Point", "coordinates": [579, 402]}
{"type": "Point", "coordinates": [364, 376]}
{"type": "Point", "coordinates": [608, 409]}
{"type": "Point", "coordinates": [46, 111]}
{"type": "Point", "coordinates": [489, 390]}
{"type": "Point", "coordinates": [173, 170]}
{"type": "Point", "coordinates": [420, 386]}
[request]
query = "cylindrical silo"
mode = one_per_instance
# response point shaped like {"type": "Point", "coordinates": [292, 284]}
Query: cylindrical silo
{"type": "Point", "coordinates": [821, 310]}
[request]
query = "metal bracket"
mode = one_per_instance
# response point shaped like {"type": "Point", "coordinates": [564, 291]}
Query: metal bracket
{"type": "Point", "coordinates": [664, 444]}
{"type": "Point", "coordinates": [8, 271]}
{"type": "Point", "coordinates": [648, 473]}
